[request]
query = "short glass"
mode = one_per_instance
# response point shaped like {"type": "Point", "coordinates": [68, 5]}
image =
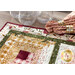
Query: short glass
{"type": "Point", "coordinates": [14, 14]}
{"type": "Point", "coordinates": [44, 17]}
{"type": "Point", "coordinates": [28, 17]}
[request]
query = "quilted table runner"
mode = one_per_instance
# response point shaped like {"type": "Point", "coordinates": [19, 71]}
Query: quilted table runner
{"type": "Point", "coordinates": [20, 44]}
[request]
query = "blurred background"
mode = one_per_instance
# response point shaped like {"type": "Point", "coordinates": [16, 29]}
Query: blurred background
{"type": "Point", "coordinates": [31, 18]}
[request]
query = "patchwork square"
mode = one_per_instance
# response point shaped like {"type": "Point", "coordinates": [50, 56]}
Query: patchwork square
{"type": "Point", "coordinates": [23, 55]}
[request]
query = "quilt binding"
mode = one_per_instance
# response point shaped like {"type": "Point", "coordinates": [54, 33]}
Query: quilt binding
{"type": "Point", "coordinates": [21, 25]}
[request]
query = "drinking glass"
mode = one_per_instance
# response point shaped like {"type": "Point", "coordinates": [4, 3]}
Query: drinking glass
{"type": "Point", "coordinates": [28, 17]}
{"type": "Point", "coordinates": [46, 16]}
{"type": "Point", "coordinates": [14, 14]}
{"type": "Point", "coordinates": [43, 17]}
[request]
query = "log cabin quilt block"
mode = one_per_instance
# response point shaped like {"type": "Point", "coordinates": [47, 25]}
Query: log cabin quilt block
{"type": "Point", "coordinates": [15, 41]}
